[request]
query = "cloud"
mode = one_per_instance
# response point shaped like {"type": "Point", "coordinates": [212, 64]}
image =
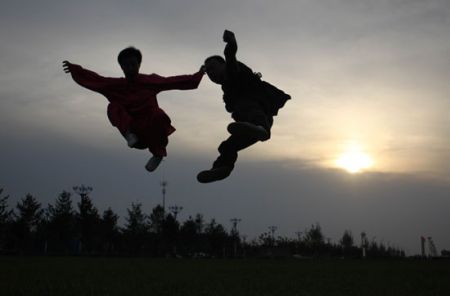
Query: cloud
{"type": "Point", "coordinates": [290, 194]}
{"type": "Point", "coordinates": [372, 71]}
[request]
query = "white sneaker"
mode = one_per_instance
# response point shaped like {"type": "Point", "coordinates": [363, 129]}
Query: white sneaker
{"type": "Point", "coordinates": [132, 139]}
{"type": "Point", "coordinates": [153, 163]}
{"type": "Point", "coordinates": [249, 130]}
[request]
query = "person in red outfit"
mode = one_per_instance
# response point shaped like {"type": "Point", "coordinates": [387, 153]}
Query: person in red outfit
{"type": "Point", "coordinates": [133, 107]}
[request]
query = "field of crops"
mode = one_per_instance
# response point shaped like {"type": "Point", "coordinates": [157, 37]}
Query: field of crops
{"type": "Point", "coordinates": [144, 276]}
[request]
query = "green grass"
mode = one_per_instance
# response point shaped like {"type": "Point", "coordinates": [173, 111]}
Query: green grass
{"type": "Point", "coordinates": [144, 276]}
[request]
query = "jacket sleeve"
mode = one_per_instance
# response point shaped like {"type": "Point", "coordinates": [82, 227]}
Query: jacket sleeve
{"type": "Point", "coordinates": [90, 79]}
{"type": "Point", "coordinates": [180, 82]}
{"type": "Point", "coordinates": [232, 66]}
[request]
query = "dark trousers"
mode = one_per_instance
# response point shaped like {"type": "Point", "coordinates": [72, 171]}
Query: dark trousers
{"type": "Point", "coordinates": [229, 148]}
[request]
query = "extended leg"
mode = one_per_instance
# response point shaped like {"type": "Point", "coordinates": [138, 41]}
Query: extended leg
{"type": "Point", "coordinates": [242, 136]}
{"type": "Point", "coordinates": [224, 164]}
{"type": "Point", "coordinates": [158, 138]}
{"type": "Point", "coordinates": [119, 117]}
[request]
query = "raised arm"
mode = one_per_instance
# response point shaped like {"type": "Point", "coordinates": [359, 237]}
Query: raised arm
{"type": "Point", "coordinates": [87, 78]}
{"type": "Point", "coordinates": [230, 51]}
{"type": "Point", "coordinates": [180, 82]}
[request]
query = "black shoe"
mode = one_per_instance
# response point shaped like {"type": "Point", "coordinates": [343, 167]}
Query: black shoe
{"type": "Point", "coordinates": [249, 130]}
{"type": "Point", "coordinates": [214, 174]}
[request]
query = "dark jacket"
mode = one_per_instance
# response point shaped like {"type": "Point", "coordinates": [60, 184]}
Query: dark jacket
{"type": "Point", "coordinates": [243, 88]}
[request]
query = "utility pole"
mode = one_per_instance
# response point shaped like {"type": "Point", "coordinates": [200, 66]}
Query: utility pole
{"type": "Point", "coordinates": [363, 244]}
{"type": "Point", "coordinates": [235, 222]}
{"type": "Point", "coordinates": [244, 245]}
{"type": "Point", "coordinates": [272, 231]}
{"type": "Point", "coordinates": [175, 210]}
{"type": "Point", "coordinates": [422, 246]}
{"type": "Point", "coordinates": [164, 185]}
{"type": "Point", "coordinates": [82, 190]}
{"type": "Point", "coordinates": [235, 232]}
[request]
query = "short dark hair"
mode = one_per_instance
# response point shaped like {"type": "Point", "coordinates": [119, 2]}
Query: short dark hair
{"type": "Point", "coordinates": [129, 52]}
{"type": "Point", "coordinates": [215, 57]}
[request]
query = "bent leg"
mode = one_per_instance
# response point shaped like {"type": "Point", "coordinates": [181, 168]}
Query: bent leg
{"type": "Point", "coordinates": [119, 117]}
{"type": "Point", "coordinates": [229, 148]}
{"type": "Point", "coordinates": [224, 164]}
{"type": "Point", "coordinates": [254, 115]}
{"type": "Point", "coordinates": [158, 133]}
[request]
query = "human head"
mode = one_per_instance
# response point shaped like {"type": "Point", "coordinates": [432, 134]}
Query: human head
{"type": "Point", "coordinates": [130, 60]}
{"type": "Point", "coordinates": [215, 68]}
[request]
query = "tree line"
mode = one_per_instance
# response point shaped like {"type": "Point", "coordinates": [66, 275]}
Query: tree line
{"type": "Point", "coordinates": [64, 229]}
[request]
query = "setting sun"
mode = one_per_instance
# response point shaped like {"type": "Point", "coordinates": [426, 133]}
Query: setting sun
{"type": "Point", "coordinates": [354, 160]}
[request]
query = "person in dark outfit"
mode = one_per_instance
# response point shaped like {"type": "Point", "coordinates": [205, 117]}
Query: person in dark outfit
{"type": "Point", "coordinates": [251, 101]}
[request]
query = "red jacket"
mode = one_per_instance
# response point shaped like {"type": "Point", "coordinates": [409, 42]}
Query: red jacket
{"type": "Point", "coordinates": [133, 105]}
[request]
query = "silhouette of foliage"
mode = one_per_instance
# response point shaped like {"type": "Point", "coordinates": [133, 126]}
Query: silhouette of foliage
{"type": "Point", "coordinates": [61, 229]}
{"type": "Point", "coordinates": [5, 221]}
{"type": "Point", "coordinates": [61, 224]}
{"type": "Point", "coordinates": [5, 214]}
{"type": "Point", "coordinates": [137, 228]}
{"type": "Point", "coordinates": [27, 222]}
{"type": "Point", "coordinates": [110, 231]}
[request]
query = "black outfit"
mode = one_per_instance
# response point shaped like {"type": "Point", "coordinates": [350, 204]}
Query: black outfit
{"type": "Point", "coordinates": [248, 99]}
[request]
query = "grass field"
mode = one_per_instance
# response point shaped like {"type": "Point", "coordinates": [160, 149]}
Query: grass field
{"type": "Point", "coordinates": [144, 276]}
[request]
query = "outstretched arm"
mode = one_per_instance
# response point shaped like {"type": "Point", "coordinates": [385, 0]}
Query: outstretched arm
{"type": "Point", "coordinates": [230, 51]}
{"type": "Point", "coordinates": [87, 78]}
{"type": "Point", "coordinates": [181, 82]}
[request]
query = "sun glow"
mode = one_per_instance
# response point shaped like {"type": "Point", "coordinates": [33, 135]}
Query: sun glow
{"type": "Point", "coordinates": [354, 160]}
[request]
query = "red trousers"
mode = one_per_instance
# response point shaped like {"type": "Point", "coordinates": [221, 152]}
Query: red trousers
{"type": "Point", "coordinates": [151, 126]}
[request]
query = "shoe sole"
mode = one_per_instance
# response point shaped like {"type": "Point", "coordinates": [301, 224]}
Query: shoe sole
{"type": "Point", "coordinates": [213, 175]}
{"type": "Point", "coordinates": [132, 144]}
{"type": "Point", "coordinates": [152, 168]}
{"type": "Point", "coordinates": [244, 129]}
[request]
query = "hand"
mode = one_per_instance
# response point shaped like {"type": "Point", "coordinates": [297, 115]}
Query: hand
{"type": "Point", "coordinates": [203, 69]}
{"type": "Point", "coordinates": [228, 36]}
{"type": "Point", "coordinates": [66, 66]}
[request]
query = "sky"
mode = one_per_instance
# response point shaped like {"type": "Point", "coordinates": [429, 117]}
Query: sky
{"type": "Point", "coordinates": [364, 144]}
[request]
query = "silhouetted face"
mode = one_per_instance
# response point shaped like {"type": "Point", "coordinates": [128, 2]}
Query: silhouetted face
{"type": "Point", "coordinates": [130, 67]}
{"type": "Point", "coordinates": [215, 71]}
